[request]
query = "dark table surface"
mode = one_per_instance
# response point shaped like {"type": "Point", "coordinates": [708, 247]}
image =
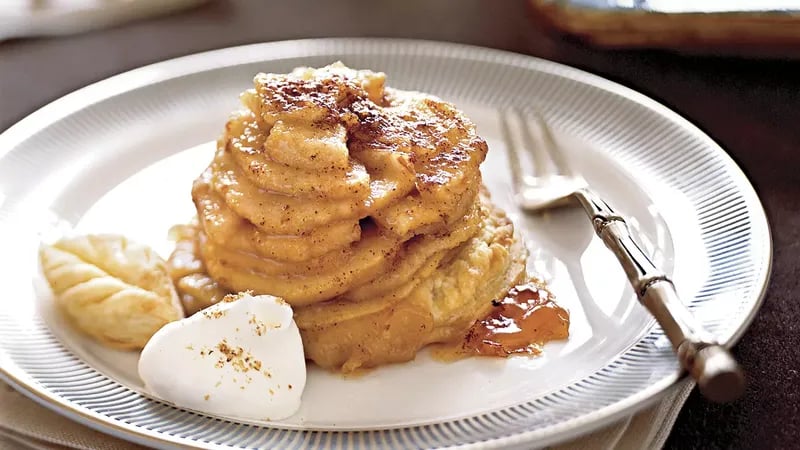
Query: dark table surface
{"type": "Point", "coordinates": [751, 107]}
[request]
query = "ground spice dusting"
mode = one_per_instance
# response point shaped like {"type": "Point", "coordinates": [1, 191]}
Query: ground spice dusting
{"type": "Point", "coordinates": [215, 314]}
{"type": "Point", "coordinates": [237, 357]}
{"type": "Point", "coordinates": [259, 327]}
{"type": "Point", "coordinates": [233, 297]}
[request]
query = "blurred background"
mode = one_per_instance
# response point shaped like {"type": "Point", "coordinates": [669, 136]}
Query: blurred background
{"type": "Point", "coordinates": [80, 41]}
{"type": "Point", "coordinates": [731, 67]}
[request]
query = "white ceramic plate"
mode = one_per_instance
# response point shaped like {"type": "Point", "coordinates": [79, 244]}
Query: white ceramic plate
{"type": "Point", "coordinates": [119, 156]}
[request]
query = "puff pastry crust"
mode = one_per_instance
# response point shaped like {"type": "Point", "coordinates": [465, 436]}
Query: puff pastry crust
{"type": "Point", "coordinates": [112, 289]}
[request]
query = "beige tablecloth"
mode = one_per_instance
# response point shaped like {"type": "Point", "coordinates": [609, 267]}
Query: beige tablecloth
{"type": "Point", "coordinates": [26, 425]}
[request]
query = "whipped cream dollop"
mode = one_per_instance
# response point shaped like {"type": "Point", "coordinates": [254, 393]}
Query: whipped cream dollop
{"type": "Point", "coordinates": [241, 358]}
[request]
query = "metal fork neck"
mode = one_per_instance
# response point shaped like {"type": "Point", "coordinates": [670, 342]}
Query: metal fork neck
{"type": "Point", "coordinates": [716, 372]}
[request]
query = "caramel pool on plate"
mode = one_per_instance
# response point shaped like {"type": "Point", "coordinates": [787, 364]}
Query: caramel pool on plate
{"type": "Point", "coordinates": [520, 323]}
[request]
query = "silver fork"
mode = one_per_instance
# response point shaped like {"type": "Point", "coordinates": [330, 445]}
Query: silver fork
{"type": "Point", "coordinates": [549, 183]}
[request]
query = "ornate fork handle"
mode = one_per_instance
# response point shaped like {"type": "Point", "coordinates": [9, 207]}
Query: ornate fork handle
{"type": "Point", "coordinates": [717, 374]}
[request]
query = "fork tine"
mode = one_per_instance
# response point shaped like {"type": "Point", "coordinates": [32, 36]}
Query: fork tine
{"type": "Point", "coordinates": [548, 142]}
{"type": "Point", "coordinates": [513, 152]}
{"type": "Point", "coordinates": [539, 159]}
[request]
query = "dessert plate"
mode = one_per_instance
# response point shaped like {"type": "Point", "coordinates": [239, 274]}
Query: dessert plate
{"type": "Point", "coordinates": [119, 156]}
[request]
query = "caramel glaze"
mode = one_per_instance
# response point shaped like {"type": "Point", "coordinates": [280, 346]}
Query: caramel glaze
{"type": "Point", "coordinates": [519, 324]}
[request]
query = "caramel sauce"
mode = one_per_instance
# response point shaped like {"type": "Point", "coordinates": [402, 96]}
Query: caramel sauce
{"type": "Point", "coordinates": [519, 324]}
{"type": "Point", "coordinates": [196, 290]}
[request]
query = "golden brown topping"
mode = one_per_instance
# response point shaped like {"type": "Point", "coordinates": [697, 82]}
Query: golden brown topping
{"type": "Point", "coordinates": [326, 178]}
